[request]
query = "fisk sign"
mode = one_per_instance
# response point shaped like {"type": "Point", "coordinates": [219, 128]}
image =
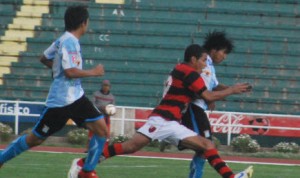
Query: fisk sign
{"type": "Point", "coordinates": [26, 111]}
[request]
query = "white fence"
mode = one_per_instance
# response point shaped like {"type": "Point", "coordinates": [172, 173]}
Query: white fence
{"type": "Point", "coordinates": [15, 109]}
{"type": "Point", "coordinates": [223, 122]}
{"type": "Point", "coordinates": [124, 122]}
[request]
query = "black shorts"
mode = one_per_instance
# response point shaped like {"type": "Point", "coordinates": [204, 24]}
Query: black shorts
{"type": "Point", "coordinates": [54, 119]}
{"type": "Point", "coordinates": [196, 119]}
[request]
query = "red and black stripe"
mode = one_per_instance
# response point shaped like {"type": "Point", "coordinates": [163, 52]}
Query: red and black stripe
{"type": "Point", "coordinates": [185, 86]}
{"type": "Point", "coordinates": [218, 164]}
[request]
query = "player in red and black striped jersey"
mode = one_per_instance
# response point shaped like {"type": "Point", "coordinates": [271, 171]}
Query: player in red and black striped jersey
{"type": "Point", "coordinates": [184, 85]}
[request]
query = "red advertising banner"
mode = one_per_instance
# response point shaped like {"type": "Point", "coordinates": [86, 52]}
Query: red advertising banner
{"type": "Point", "coordinates": [142, 114]}
{"type": "Point", "coordinates": [265, 122]}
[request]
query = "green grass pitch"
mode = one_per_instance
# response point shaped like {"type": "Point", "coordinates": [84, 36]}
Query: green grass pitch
{"type": "Point", "coordinates": [56, 165]}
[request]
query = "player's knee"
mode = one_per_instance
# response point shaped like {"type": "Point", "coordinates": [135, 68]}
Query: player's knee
{"type": "Point", "coordinates": [101, 132]}
{"type": "Point", "coordinates": [33, 140]}
{"type": "Point", "coordinates": [208, 145]}
{"type": "Point", "coordinates": [99, 129]}
{"type": "Point", "coordinates": [105, 134]}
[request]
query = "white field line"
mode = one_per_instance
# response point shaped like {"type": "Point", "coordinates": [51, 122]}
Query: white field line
{"type": "Point", "coordinates": [180, 159]}
{"type": "Point", "coordinates": [188, 159]}
{"type": "Point", "coordinates": [242, 162]}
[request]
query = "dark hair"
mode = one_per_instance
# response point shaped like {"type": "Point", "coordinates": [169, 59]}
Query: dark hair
{"type": "Point", "coordinates": [218, 40]}
{"type": "Point", "coordinates": [75, 16]}
{"type": "Point", "coordinates": [193, 50]}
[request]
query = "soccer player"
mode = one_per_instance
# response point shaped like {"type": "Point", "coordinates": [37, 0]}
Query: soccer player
{"type": "Point", "coordinates": [218, 46]}
{"type": "Point", "coordinates": [163, 124]}
{"type": "Point", "coordinates": [102, 98]}
{"type": "Point", "coordinates": [66, 97]}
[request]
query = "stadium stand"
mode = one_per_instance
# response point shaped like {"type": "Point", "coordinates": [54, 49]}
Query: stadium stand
{"type": "Point", "coordinates": [140, 41]}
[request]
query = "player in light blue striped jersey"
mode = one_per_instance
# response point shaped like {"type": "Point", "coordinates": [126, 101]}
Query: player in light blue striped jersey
{"type": "Point", "coordinates": [66, 97]}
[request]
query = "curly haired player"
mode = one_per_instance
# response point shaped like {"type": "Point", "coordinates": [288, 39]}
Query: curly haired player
{"type": "Point", "coordinates": [218, 46]}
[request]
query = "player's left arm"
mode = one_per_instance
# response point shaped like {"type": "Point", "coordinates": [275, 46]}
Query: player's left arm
{"type": "Point", "coordinates": [46, 62]}
{"type": "Point", "coordinates": [48, 56]}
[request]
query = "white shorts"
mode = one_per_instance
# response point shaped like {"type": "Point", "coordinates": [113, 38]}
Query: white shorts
{"type": "Point", "coordinates": [157, 128]}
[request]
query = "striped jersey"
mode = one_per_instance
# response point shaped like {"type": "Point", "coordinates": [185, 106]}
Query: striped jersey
{"type": "Point", "coordinates": [65, 53]}
{"type": "Point", "coordinates": [209, 76]}
{"type": "Point", "coordinates": [183, 85]}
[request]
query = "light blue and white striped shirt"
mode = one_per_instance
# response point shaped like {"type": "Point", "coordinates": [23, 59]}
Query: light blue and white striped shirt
{"type": "Point", "coordinates": [65, 53]}
{"type": "Point", "coordinates": [209, 76]}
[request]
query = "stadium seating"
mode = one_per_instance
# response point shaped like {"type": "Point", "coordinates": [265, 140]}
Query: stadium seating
{"type": "Point", "coordinates": [140, 41]}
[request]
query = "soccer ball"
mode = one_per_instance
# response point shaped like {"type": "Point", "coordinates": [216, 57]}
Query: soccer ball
{"type": "Point", "coordinates": [265, 123]}
{"type": "Point", "coordinates": [110, 109]}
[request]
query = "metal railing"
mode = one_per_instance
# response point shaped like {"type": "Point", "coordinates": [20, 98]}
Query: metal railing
{"type": "Point", "coordinates": [18, 109]}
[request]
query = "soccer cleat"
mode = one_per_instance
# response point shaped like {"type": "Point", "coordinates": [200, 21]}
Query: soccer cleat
{"type": "Point", "coordinates": [91, 174]}
{"type": "Point", "coordinates": [247, 173]}
{"type": "Point", "coordinates": [1, 165]}
{"type": "Point", "coordinates": [77, 165]}
{"type": "Point", "coordinates": [75, 168]}
{"type": "Point", "coordinates": [101, 159]}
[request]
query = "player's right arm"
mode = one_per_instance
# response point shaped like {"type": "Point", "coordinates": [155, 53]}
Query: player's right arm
{"type": "Point", "coordinates": [220, 87]}
{"type": "Point", "coordinates": [79, 73]}
{"type": "Point", "coordinates": [211, 96]}
{"type": "Point", "coordinates": [72, 62]}
{"type": "Point", "coordinates": [196, 84]}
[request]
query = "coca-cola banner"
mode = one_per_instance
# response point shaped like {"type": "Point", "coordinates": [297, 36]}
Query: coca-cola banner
{"type": "Point", "coordinates": [270, 125]}
{"type": "Point", "coordinates": [243, 123]}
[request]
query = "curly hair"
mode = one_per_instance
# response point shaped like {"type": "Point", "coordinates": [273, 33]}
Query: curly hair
{"type": "Point", "coordinates": [218, 40]}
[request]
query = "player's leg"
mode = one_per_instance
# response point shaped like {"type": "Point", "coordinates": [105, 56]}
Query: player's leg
{"type": "Point", "coordinates": [107, 121]}
{"type": "Point", "coordinates": [132, 145]}
{"type": "Point", "coordinates": [90, 133]}
{"type": "Point", "coordinates": [137, 142]}
{"type": "Point", "coordinates": [85, 114]}
{"type": "Point", "coordinates": [18, 146]}
{"type": "Point", "coordinates": [199, 143]}
{"type": "Point", "coordinates": [197, 166]}
{"type": "Point", "coordinates": [189, 120]}
{"type": "Point", "coordinates": [96, 144]}
{"type": "Point", "coordinates": [196, 119]}
{"type": "Point", "coordinates": [44, 128]}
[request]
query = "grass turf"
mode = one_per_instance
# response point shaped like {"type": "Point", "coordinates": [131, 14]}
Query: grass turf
{"type": "Point", "coordinates": [56, 165]}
